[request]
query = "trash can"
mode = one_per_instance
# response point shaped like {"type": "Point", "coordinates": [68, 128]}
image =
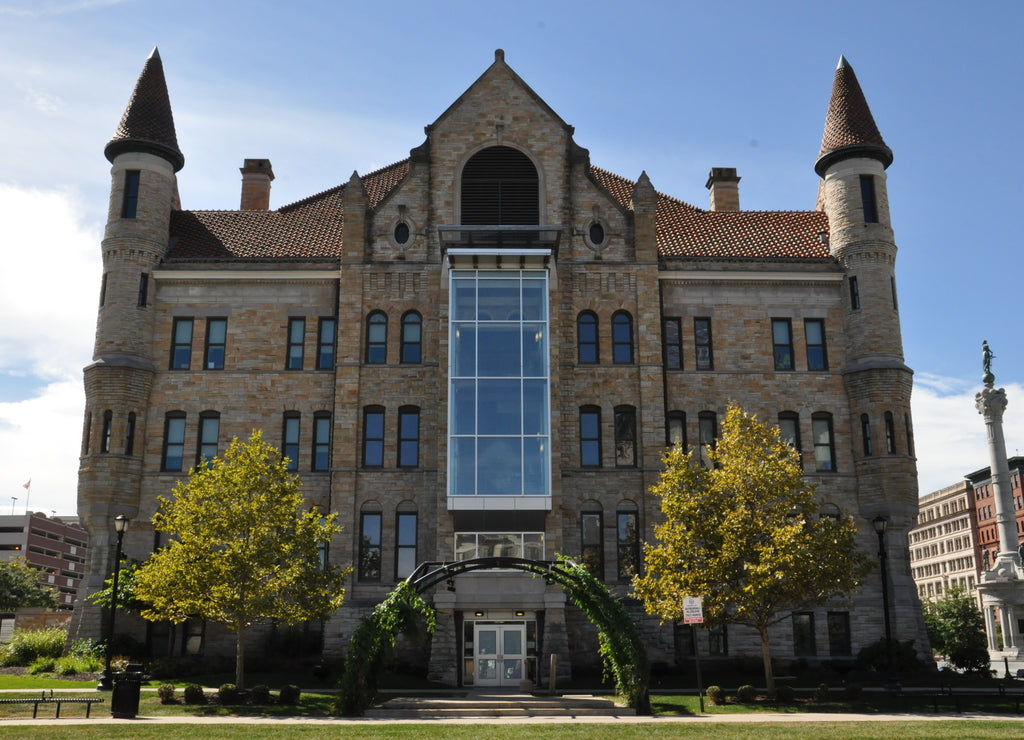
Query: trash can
{"type": "Point", "coordinates": [124, 699]}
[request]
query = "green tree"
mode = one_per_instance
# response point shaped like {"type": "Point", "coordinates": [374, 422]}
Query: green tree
{"type": "Point", "coordinates": [745, 536]}
{"type": "Point", "coordinates": [126, 600]}
{"type": "Point", "coordinates": [956, 629]}
{"type": "Point", "coordinates": [20, 586]}
{"type": "Point", "coordinates": [244, 548]}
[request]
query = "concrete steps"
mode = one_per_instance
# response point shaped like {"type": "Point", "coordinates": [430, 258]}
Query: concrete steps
{"type": "Point", "coordinates": [482, 704]}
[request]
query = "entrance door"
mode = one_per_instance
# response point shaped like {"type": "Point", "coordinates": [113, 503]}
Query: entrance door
{"type": "Point", "coordinates": [500, 650]}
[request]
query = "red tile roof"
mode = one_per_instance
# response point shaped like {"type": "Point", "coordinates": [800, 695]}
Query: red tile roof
{"type": "Point", "coordinates": [850, 129]}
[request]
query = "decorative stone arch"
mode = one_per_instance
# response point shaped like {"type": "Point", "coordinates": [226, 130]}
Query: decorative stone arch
{"type": "Point", "coordinates": [620, 643]}
{"type": "Point", "coordinates": [482, 151]}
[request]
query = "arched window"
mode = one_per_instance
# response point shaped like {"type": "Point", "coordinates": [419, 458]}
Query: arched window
{"type": "Point", "coordinates": [824, 442]}
{"type": "Point", "coordinates": [500, 188]}
{"type": "Point", "coordinates": [592, 539]}
{"type": "Point", "coordinates": [627, 540]}
{"type": "Point", "coordinates": [590, 436]}
{"type": "Point", "coordinates": [373, 437]}
{"type": "Point", "coordinates": [129, 435]}
{"type": "Point", "coordinates": [406, 521]}
{"type": "Point", "coordinates": [321, 440]}
{"type": "Point", "coordinates": [625, 436]}
{"type": "Point", "coordinates": [376, 338]}
{"type": "Point", "coordinates": [174, 441]}
{"type": "Point", "coordinates": [586, 338]}
{"type": "Point", "coordinates": [412, 338]}
{"type": "Point", "coordinates": [370, 521]}
{"type": "Point", "coordinates": [108, 426]}
{"type": "Point", "coordinates": [707, 427]}
{"type": "Point", "coordinates": [890, 434]}
{"type": "Point", "coordinates": [789, 428]}
{"type": "Point", "coordinates": [408, 436]}
{"type": "Point", "coordinates": [865, 433]}
{"type": "Point", "coordinates": [675, 429]}
{"type": "Point", "coordinates": [622, 338]}
{"type": "Point", "coordinates": [209, 434]}
{"type": "Point", "coordinates": [290, 437]}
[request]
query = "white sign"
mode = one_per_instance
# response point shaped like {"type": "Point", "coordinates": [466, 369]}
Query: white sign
{"type": "Point", "coordinates": [693, 612]}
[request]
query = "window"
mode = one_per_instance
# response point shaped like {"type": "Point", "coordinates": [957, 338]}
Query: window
{"type": "Point", "coordinates": [321, 441]}
{"type": "Point", "coordinates": [625, 437]}
{"type": "Point", "coordinates": [622, 338]}
{"type": "Point", "coordinates": [789, 429]}
{"type": "Point", "coordinates": [590, 436]}
{"type": "Point", "coordinates": [143, 296]}
{"type": "Point", "coordinates": [412, 342]}
{"type": "Point", "coordinates": [596, 233]}
{"type": "Point", "coordinates": [325, 344]}
{"type": "Point", "coordinates": [586, 338]}
{"type": "Point", "coordinates": [675, 429]}
{"type": "Point", "coordinates": [470, 545]}
{"type": "Point", "coordinates": [814, 333]}
{"type": "Point", "coordinates": [824, 442]}
{"type": "Point", "coordinates": [373, 437]}
{"type": "Point", "coordinates": [890, 434]}
{"type": "Point", "coordinates": [627, 545]}
{"type": "Point", "coordinates": [865, 433]}
{"type": "Point", "coordinates": [209, 432]}
{"type": "Point", "coordinates": [702, 343]}
{"type": "Point", "coordinates": [405, 545]}
{"type": "Point", "coordinates": [707, 427]}
{"type": "Point", "coordinates": [296, 343]}
{"type": "Point", "coordinates": [103, 288]}
{"type": "Point", "coordinates": [782, 344]}
{"type": "Point", "coordinates": [377, 338]}
{"type": "Point", "coordinates": [868, 200]}
{"type": "Point", "coordinates": [718, 641]}
{"type": "Point", "coordinates": [129, 435]}
{"type": "Point", "coordinates": [408, 437]}
{"type": "Point", "coordinates": [216, 339]}
{"type": "Point", "coordinates": [672, 344]}
{"type": "Point", "coordinates": [174, 441]}
{"type": "Point", "coordinates": [130, 202]}
{"type": "Point", "coordinates": [892, 288]}
{"type": "Point", "coordinates": [839, 642]}
{"type": "Point", "coordinates": [854, 295]}
{"type": "Point", "coordinates": [401, 233]}
{"type": "Point", "coordinates": [592, 543]}
{"type": "Point", "coordinates": [290, 435]}
{"type": "Point", "coordinates": [803, 634]}
{"type": "Point", "coordinates": [910, 434]}
{"type": "Point", "coordinates": [369, 546]}
{"type": "Point", "coordinates": [108, 423]}
{"type": "Point", "coordinates": [499, 409]}
{"type": "Point", "coordinates": [181, 344]}
{"type": "Point", "coordinates": [500, 187]}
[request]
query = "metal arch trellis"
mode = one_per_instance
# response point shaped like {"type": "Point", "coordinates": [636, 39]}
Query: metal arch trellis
{"type": "Point", "coordinates": [429, 574]}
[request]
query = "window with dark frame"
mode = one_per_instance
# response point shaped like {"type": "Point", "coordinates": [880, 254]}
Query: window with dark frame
{"type": "Point", "coordinates": [373, 437]}
{"type": "Point", "coordinates": [325, 339]}
{"type": "Point", "coordinates": [702, 343]}
{"type": "Point", "coordinates": [592, 543]}
{"type": "Point", "coordinates": [143, 296]}
{"type": "Point", "coordinates": [290, 437]}
{"type": "Point", "coordinates": [590, 436]}
{"type": "Point", "coordinates": [129, 435]}
{"type": "Point", "coordinates": [408, 437]}
{"type": "Point", "coordinates": [130, 202]}
{"type": "Point", "coordinates": [108, 428]}
{"type": "Point", "coordinates": [869, 199]}
{"type": "Point", "coordinates": [782, 344]}
{"type": "Point", "coordinates": [209, 433]}
{"type": "Point", "coordinates": [321, 441]}
{"type": "Point", "coordinates": [718, 640]}
{"type": "Point", "coordinates": [854, 295]}
{"type": "Point", "coordinates": [174, 441]}
{"type": "Point", "coordinates": [376, 338]}
{"type": "Point", "coordinates": [814, 334]}
{"type": "Point", "coordinates": [103, 289]}
{"type": "Point", "coordinates": [216, 343]}
{"type": "Point", "coordinates": [675, 429]}
{"type": "Point", "coordinates": [789, 429]}
{"type": "Point", "coordinates": [296, 343]}
{"type": "Point", "coordinates": [803, 634]}
{"type": "Point", "coordinates": [890, 434]}
{"type": "Point", "coordinates": [405, 544]}
{"type": "Point", "coordinates": [910, 434]}
{"type": "Point", "coordinates": [627, 545]}
{"type": "Point", "coordinates": [672, 343]}
{"type": "Point", "coordinates": [181, 344]}
{"type": "Point", "coordinates": [412, 341]}
{"type": "Point", "coordinates": [586, 338]}
{"type": "Point", "coordinates": [839, 642]}
{"type": "Point", "coordinates": [500, 187]}
{"type": "Point", "coordinates": [622, 338]}
{"type": "Point", "coordinates": [865, 434]}
{"type": "Point", "coordinates": [625, 437]}
{"type": "Point", "coordinates": [369, 546]}
{"type": "Point", "coordinates": [824, 442]}
{"type": "Point", "coordinates": [707, 428]}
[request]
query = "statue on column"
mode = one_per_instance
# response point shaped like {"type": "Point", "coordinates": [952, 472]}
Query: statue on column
{"type": "Point", "coordinates": [986, 364]}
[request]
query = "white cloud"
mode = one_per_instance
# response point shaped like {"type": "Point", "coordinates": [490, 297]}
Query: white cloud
{"type": "Point", "coordinates": [950, 437]}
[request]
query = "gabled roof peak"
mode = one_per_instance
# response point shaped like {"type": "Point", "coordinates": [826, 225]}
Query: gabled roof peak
{"type": "Point", "coordinates": [850, 129]}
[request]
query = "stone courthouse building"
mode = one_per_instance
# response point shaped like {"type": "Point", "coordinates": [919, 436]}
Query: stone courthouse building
{"type": "Point", "coordinates": [483, 349]}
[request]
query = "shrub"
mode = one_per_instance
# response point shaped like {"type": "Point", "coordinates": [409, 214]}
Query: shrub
{"type": "Point", "coordinates": [289, 694]}
{"type": "Point", "coordinates": [194, 694]}
{"type": "Point", "coordinates": [785, 694]}
{"type": "Point", "coordinates": [746, 694]}
{"type": "Point", "coordinates": [852, 691]}
{"type": "Point", "coordinates": [821, 693]}
{"type": "Point", "coordinates": [715, 695]}
{"type": "Point", "coordinates": [228, 693]}
{"type": "Point", "coordinates": [166, 693]}
{"type": "Point", "coordinates": [260, 694]}
{"type": "Point", "coordinates": [27, 645]}
{"type": "Point", "coordinates": [86, 647]}
{"type": "Point", "coordinates": [42, 665]}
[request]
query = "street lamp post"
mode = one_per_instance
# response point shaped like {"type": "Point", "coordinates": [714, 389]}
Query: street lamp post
{"type": "Point", "coordinates": [106, 680]}
{"type": "Point", "coordinates": [880, 524]}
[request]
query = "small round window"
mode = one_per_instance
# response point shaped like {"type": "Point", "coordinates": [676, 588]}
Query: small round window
{"type": "Point", "coordinates": [401, 232]}
{"type": "Point", "coordinates": [596, 234]}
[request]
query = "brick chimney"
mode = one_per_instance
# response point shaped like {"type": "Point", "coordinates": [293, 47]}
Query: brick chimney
{"type": "Point", "coordinates": [724, 186]}
{"type": "Point", "coordinates": [256, 177]}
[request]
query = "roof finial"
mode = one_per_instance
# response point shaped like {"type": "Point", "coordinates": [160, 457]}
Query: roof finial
{"type": "Point", "coordinates": [499, 55]}
{"type": "Point", "coordinates": [842, 62]}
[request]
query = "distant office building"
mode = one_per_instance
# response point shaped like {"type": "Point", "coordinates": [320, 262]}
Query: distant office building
{"type": "Point", "coordinates": [55, 547]}
{"type": "Point", "coordinates": [943, 552]}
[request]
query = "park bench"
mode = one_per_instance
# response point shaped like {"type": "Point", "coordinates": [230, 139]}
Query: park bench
{"type": "Point", "coordinates": [58, 701]}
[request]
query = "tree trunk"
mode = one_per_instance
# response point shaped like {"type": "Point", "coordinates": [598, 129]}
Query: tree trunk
{"type": "Point", "coordinates": [240, 657]}
{"type": "Point", "coordinates": [766, 656]}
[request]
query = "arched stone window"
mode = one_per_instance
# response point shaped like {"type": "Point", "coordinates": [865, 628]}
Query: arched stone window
{"type": "Point", "coordinates": [500, 187]}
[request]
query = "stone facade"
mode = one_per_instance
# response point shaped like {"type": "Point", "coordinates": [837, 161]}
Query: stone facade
{"type": "Point", "coordinates": [656, 315]}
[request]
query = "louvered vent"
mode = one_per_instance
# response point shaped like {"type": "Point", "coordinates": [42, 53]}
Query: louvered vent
{"type": "Point", "coordinates": [499, 188]}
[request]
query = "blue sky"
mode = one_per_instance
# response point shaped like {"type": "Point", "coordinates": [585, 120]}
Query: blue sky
{"type": "Point", "coordinates": [670, 88]}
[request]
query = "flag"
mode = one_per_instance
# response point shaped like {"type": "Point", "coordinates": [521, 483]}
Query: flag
{"type": "Point", "coordinates": [27, 486]}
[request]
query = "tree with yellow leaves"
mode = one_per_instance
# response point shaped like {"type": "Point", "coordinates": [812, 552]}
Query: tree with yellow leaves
{"type": "Point", "coordinates": [745, 536]}
{"type": "Point", "coordinates": [244, 547]}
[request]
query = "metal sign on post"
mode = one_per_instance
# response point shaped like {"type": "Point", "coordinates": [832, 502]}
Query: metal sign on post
{"type": "Point", "coordinates": [693, 611]}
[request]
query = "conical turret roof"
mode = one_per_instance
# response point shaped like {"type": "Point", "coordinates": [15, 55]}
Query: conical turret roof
{"type": "Point", "coordinates": [850, 129]}
{"type": "Point", "coordinates": [147, 124]}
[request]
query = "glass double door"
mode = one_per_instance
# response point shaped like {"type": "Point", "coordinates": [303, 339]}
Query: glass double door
{"type": "Point", "coordinates": [500, 653]}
